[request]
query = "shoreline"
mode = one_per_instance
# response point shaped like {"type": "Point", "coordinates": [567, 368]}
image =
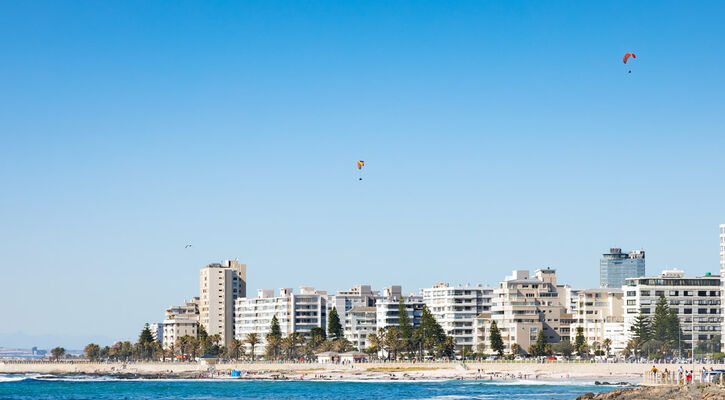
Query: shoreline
{"type": "Point", "coordinates": [541, 372]}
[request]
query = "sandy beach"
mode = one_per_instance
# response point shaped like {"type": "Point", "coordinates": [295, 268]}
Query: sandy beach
{"type": "Point", "coordinates": [610, 372]}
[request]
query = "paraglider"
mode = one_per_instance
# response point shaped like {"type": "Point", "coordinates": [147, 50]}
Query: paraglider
{"type": "Point", "coordinates": [360, 164]}
{"type": "Point", "coordinates": [626, 57]}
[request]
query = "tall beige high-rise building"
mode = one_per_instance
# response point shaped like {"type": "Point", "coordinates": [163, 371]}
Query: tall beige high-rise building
{"type": "Point", "coordinates": [220, 285]}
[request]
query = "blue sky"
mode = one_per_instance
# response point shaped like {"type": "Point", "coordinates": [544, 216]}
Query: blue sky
{"type": "Point", "coordinates": [497, 135]}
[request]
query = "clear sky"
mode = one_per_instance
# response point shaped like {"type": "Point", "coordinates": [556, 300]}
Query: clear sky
{"type": "Point", "coordinates": [497, 135]}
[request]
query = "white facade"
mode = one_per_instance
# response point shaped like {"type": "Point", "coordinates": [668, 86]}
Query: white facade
{"type": "Point", "coordinates": [387, 310]}
{"type": "Point", "coordinates": [455, 307]}
{"type": "Point", "coordinates": [157, 331]}
{"type": "Point", "coordinates": [219, 287]}
{"type": "Point", "coordinates": [295, 313]}
{"type": "Point", "coordinates": [600, 313]}
{"type": "Point", "coordinates": [346, 300]}
{"type": "Point", "coordinates": [181, 321]}
{"type": "Point", "coordinates": [697, 302]}
{"type": "Point", "coordinates": [360, 323]}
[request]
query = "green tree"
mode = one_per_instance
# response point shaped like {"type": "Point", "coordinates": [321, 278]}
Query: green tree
{"type": "Point", "coordinates": [252, 340]}
{"type": "Point", "coordinates": [661, 320]}
{"type": "Point", "coordinates": [448, 347]}
{"type": "Point", "coordinates": [539, 348]}
{"type": "Point", "coordinates": [236, 349]}
{"type": "Point", "coordinates": [202, 335]}
{"type": "Point", "coordinates": [495, 339]}
{"type": "Point", "coordinates": [565, 348]}
{"type": "Point", "coordinates": [274, 346]}
{"type": "Point", "coordinates": [144, 348]}
{"type": "Point", "coordinates": [515, 348]}
{"type": "Point", "coordinates": [607, 343]}
{"type": "Point", "coordinates": [274, 329]}
{"type": "Point", "coordinates": [640, 333]}
{"type": "Point", "coordinates": [57, 353]}
{"type": "Point", "coordinates": [334, 328]}
{"type": "Point", "coordinates": [393, 344]}
{"type": "Point", "coordinates": [376, 344]}
{"type": "Point", "coordinates": [317, 334]}
{"type": "Point", "coordinates": [93, 351]}
{"type": "Point", "coordinates": [429, 335]}
{"type": "Point", "coordinates": [406, 328]}
{"type": "Point", "coordinates": [291, 344]}
{"type": "Point", "coordinates": [580, 343]}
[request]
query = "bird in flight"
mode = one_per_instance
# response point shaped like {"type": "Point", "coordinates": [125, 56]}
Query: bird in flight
{"type": "Point", "coordinates": [187, 246]}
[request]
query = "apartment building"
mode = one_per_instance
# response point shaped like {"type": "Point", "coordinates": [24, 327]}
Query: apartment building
{"type": "Point", "coordinates": [522, 307]}
{"type": "Point", "coordinates": [356, 297]}
{"type": "Point", "coordinates": [696, 300]}
{"type": "Point", "coordinates": [181, 321]}
{"type": "Point", "coordinates": [455, 308]}
{"type": "Point", "coordinates": [387, 308]}
{"type": "Point", "coordinates": [157, 331]}
{"type": "Point", "coordinates": [615, 267]}
{"type": "Point", "coordinates": [220, 285]}
{"type": "Point", "coordinates": [600, 313]}
{"type": "Point", "coordinates": [295, 313]}
{"type": "Point", "coordinates": [361, 322]}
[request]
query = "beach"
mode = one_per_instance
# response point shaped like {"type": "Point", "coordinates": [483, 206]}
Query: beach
{"type": "Point", "coordinates": [610, 372]}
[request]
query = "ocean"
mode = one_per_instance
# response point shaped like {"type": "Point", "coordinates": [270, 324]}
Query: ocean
{"type": "Point", "coordinates": [80, 388]}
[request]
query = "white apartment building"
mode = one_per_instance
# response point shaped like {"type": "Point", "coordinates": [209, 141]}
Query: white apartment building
{"type": "Point", "coordinates": [157, 331]}
{"type": "Point", "coordinates": [220, 285]}
{"type": "Point", "coordinates": [361, 322]}
{"type": "Point", "coordinates": [600, 313]}
{"type": "Point", "coordinates": [346, 300]}
{"type": "Point", "coordinates": [181, 321]}
{"type": "Point", "coordinates": [522, 307]}
{"type": "Point", "coordinates": [455, 308]}
{"type": "Point", "coordinates": [697, 302]}
{"type": "Point", "coordinates": [387, 308]}
{"type": "Point", "coordinates": [295, 313]}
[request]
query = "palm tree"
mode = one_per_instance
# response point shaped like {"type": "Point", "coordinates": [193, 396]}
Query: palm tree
{"type": "Point", "coordinates": [515, 349]}
{"type": "Point", "coordinates": [376, 343]}
{"type": "Point", "coordinates": [607, 345]}
{"type": "Point", "coordinates": [274, 344]}
{"type": "Point", "coordinates": [393, 342]}
{"type": "Point", "coordinates": [290, 344]}
{"type": "Point", "coordinates": [235, 348]}
{"type": "Point", "coordinates": [252, 340]}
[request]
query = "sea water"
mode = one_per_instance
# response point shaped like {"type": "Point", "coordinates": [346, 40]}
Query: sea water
{"type": "Point", "coordinates": [22, 387]}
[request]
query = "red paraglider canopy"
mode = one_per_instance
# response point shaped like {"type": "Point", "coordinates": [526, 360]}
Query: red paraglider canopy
{"type": "Point", "coordinates": [626, 57]}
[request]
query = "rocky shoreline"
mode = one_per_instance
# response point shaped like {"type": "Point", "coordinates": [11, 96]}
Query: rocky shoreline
{"type": "Point", "coordinates": [689, 392]}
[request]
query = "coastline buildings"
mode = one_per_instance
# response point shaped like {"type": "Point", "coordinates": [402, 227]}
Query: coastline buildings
{"type": "Point", "coordinates": [455, 308]}
{"type": "Point", "coordinates": [722, 276]}
{"type": "Point", "coordinates": [295, 313]}
{"type": "Point", "coordinates": [522, 307]}
{"type": "Point", "coordinates": [220, 285]}
{"type": "Point", "coordinates": [181, 321]}
{"type": "Point", "coordinates": [346, 300]}
{"type": "Point", "coordinates": [600, 313]}
{"type": "Point", "coordinates": [615, 267]}
{"type": "Point", "coordinates": [696, 300]}
{"type": "Point", "coordinates": [360, 323]}
{"type": "Point", "coordinates": [387, 308]}
{"type": "Point", "coordinates": [157, 331]}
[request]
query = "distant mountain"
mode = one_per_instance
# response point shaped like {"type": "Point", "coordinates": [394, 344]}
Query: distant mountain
{"type": "Point", "coordinates": [20, 340]}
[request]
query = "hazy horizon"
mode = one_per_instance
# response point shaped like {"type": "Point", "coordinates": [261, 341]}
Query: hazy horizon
{"type": "Point", "coordinates": [497, 136]}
